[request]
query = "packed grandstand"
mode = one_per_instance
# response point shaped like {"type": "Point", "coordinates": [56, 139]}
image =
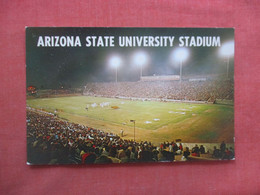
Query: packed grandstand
{"type": "Point", "coordinates": [186, 90]}
{"type": "Point", "coordinates": [207, 89]}
{"type": "Point", "coordinates": [51, 140]}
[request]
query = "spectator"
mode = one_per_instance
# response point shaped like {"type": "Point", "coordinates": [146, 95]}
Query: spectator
{"type": "Point", "coordinates": [227, 154]}
{"type": "Point", "coordinates": [202, 149]}
{"type": "Point", "coordinates": [195, 151]}
{"type": "Point", "coordinates": [222, 147]}
{"type": "Point", "coordinates": [186, 154]}
{"type": "Point", "coordinates": [216, 153]}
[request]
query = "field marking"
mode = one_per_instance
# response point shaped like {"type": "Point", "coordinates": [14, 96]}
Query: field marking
{"type": "Point", "coordinates": [178, 125]}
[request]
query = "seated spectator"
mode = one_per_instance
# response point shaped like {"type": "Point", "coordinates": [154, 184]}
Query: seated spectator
{"type": "Point", "coordinates": [222, 148]}
{"type": "Point", "coordinates": [88, 157]}
{"type": "Point", "coordinates": [103, 159]}
{"type": "Point", "coordinates": [216, 153]}
{"type": "Point", "coordinates": [112, 155]}
{"type": "Point", "coordinates": [232, 151]}
{"type": "Point", "coordinates": [195, 151]}
{"type": "Point", "coordinates": [202, 149]}
{"type": "Point", "coordinates": [186, 154]}
{"type": "Point", "coordinates": [228, 155]}
{"type": "Point", "coordinates": [180, 147]}
{"type": "Point", "coordinates": [162, 156]}
{"type": "Point", "coordinates": [122, 156]}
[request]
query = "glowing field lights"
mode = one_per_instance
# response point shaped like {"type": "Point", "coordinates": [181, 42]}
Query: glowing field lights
{"type": "Point", "coordinates": [227, 49]}
{"type": "Point", "coordinates": [115, 62]}
{"type": "Point", "coordinates": [180, 54]}
{"type": "Point", "coordinates": [140, 59]}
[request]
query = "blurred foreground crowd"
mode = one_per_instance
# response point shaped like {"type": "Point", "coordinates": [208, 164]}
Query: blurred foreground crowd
{"type": "Point", "coordinates": [51, 140]}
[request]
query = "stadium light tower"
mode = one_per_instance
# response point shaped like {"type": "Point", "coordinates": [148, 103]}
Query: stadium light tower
{"type": "Point", "coordinates": [115, 62]}
{"type": "Point", "coordinates": [227, 50]}
{"type": "Point", "coordinates": [180, 55]}
{"type": "Point", "coordinates": [140, 59]}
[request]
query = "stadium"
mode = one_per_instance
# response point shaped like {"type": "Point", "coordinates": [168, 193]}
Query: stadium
{"type": "Point", "coordinates": [131, 115]}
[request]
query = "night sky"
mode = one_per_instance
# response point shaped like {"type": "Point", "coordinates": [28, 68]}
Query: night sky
{"type": "Point", "coordinates": [52, 67]}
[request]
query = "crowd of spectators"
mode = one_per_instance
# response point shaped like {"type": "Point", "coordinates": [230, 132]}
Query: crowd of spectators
{"type": "Point", "coordinates": [51, 140]}
{"type": "Point", "coordinates": [209, 90]}
{"type": "Point", "coordinates": [224, 152]}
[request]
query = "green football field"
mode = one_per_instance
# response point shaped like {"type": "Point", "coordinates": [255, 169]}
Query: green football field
{"type": "Point", "coordinates": [155, 121]}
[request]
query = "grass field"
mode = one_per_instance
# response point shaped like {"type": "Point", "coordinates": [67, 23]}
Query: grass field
{"type": "Point", "coordinates": [155, 121]}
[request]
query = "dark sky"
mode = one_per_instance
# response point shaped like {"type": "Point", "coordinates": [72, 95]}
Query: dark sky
{"type": "Point", "coordinates": [51, 67]}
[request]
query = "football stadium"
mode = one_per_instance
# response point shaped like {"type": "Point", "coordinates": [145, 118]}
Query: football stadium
{"type": "Point", "coordinates": [121, 115]}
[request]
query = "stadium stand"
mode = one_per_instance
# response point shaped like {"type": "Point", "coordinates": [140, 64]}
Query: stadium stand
{"type": "Point", "coordinates": [46, 93]}
{"type": "Point", "coordinates": [51, 140]}
{"type": "Point", "coordinates": [209, 90]}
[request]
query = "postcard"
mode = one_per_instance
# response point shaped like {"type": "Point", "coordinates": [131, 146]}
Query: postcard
{"type": "Point", "coordinates": [129, 95]}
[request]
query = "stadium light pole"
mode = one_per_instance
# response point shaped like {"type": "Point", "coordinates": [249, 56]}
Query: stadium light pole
{"type": "Point", "coordinates": [133, 121]}
{"type": "Point", "coordinates": [180, 55]}
{"type": "Point", "coordinates": [115, 62]}
{"type": "Point", "coordinates": [140, 59]}
{"type": "Point", "coordinates": [227, 50]}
